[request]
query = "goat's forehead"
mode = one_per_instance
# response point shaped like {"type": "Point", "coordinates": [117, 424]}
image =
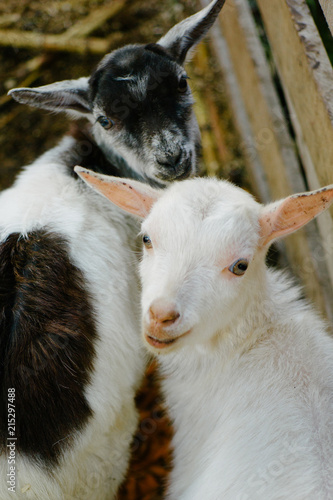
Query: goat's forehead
{"type": "Point", "coordinates": [216, 209]}
{"type": "Point", "coordinates": [136, 66]}
{"type": "Point", "coordinates": [207, 196]}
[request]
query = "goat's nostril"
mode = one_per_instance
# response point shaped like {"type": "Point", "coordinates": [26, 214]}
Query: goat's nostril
{"type": "Point", "coordinates": [170, 160]}
{"type": "Point", "coordinates": [165, 313]}
{"type": "Point", "coordinates": [171, 317]}
{"type": "Point", "coordinates": [177, 158]}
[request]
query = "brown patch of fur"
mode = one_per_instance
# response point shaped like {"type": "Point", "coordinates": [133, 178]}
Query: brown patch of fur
{"type": "Point", "coordinates": [47, 336]}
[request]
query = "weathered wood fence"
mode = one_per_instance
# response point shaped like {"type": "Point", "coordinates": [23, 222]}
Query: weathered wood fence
{"type": "Point", "coordinates": [280, 82]}
{"type": "Point", "coordinates": [327, 7]}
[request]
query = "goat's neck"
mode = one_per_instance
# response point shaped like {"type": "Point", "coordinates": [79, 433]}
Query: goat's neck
{"type": "Point", "coordinates": [255, 321]}
{"type": "Point", "coordinates": [114, 157]}
{"type": "Point", "coordinates": [119, 162]}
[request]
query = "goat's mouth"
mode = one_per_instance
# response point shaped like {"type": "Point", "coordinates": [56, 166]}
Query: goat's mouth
{"type": "Point", "coordinates": [163, 343]}
{"type": "Point", "coordinates": [160, 344]}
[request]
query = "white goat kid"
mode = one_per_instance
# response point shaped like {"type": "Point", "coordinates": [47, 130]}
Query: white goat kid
{"type": "Point", "coordinates": [247, 364]}
{"type": "Point", "coordinates": [69, 312]}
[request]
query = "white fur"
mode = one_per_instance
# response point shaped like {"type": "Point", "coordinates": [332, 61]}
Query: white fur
{"type": "Point", "coordinates": [250, 388]}
{"type": "Point", "coordinates": [99, 236]}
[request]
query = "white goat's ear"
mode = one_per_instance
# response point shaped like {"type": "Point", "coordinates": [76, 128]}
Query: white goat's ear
{"type": "Point", "coordinates": [68, 95]}
{"type": "Point", "coordinates": [184, 35]}
{"type": "Point", "coordinates": [132, 196]}
{"type": "Point", "coordinates": [288, 215]}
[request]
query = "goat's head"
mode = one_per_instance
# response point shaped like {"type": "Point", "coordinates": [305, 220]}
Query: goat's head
{"type": "Point", "coordinates": [205, 244]}
{"type": "Point", "coordinates": [139, 101]}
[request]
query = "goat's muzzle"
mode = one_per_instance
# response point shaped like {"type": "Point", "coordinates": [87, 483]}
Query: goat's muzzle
{"type": "Point", "coordinates": [177, 167]}
{"type": "Point", "coordinates": [162, 319]}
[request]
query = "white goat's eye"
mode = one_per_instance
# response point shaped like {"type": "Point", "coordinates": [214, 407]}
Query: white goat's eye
{"type": "Point", "coordinates": [182, 85]}
{"type": "Point", "coordinates": [239, 267]}
{"type": "Point", "coordinates": [147, 241]}
{"type": "Point", "coordinates": [106, 122]}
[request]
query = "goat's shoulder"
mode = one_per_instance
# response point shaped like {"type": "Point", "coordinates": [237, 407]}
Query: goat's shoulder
{"type": "Point", "coordinates": [78, 147]}
{"type": "Point", "coordinates": [47, 343]}
{"type": "Point", "coordinates": [46, 195]}
{"type": "Point", "coordinates": [40, 191]}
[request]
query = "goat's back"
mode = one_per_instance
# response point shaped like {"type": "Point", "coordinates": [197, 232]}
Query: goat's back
{"type": "Point", "coordinates": [69, 334]}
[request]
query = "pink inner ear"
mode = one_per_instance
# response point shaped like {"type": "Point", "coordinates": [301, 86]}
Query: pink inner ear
{"type": "Point", "coordinates": [133, 197]}
{"type": "Point", "coordinates": [293, 213]}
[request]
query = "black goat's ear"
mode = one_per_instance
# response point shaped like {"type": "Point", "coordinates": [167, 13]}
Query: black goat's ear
{"type": "Point", "coordinates": [186, 34]}
{"type": "Point", "coordinates": [67, 95]}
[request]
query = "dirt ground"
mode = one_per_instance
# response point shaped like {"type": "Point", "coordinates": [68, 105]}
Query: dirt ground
{"type": "Point", "coordinates": [25, 133]}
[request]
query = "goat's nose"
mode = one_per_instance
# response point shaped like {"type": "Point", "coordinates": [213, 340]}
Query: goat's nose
{"type": "Point", "coordinates": [170, 159]}
{"type": "Point", "coordinates": [162, 311]}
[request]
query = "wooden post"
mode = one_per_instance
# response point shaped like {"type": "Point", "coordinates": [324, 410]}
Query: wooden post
{"type": "Point", "coordinates": [269, 147]}
{"type": "Point", "coordinates": [327, 6]}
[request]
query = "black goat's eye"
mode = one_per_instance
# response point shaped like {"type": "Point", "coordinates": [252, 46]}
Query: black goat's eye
{"type": "Point", "coordinates": [147, 241]}
{"type": "Point", "coordinates": [182, 85]}
{"type": "Point", "coordinates": [106, 122]}
{"type": "Point", "coordinates": [239, 267]}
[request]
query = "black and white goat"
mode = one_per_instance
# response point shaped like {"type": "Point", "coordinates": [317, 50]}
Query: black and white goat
{"type": "Point", "coordinates": [69, 321]}
{"type": "Point", "coordinates": [138, 102]}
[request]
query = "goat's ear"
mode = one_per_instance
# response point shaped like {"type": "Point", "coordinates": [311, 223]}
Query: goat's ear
{"type": "Point", "coordinates": [288, 215]}
{"type": "Point", "coordinates": [68, 95]}
{"type": "Point", "coordinates": [184, 35]}
{"type": "Point", "coordinates": [132, 196]}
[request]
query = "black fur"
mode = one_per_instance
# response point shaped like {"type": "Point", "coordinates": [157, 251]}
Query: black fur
{"type": "Point", "coordinates": [163, 107]}
{"type": "Point", "coordinates": [182, 45]}
{"type": "Point", "coordinates": [163, 103]}
{"type": "Point", "coordinates": [86, 153]}
{"type": "Point", "coordinates": [130, 60]}
{"type": "Point", "coordinates": [47, 336]}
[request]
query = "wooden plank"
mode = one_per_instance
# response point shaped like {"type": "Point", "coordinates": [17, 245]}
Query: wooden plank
{"type": "Point", "coordinates": [39, 41]}
{"type": "Point", "coordinates": [307, 79]}
{"type": "Point", "coordinates": [327, 6]}
{"type": "Point", "coordinates": [215, 153]}
{"type": "Point", "coordinates": [8, 19]}
{"type": "Point", "coordinates": [95, 19]}
{"type": "Point", "coordinates": [306, 72]}
{"type": "Point", "coordinates": [272, 143]}
{"type": "Point", "coordinates": [256, 170]}
{"type": "Point", "coordinates": [324, 222]}
{"type": "Point", "coordinates": [247, 61]}
{"type": "Point", "coordinates": [75, 39]}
